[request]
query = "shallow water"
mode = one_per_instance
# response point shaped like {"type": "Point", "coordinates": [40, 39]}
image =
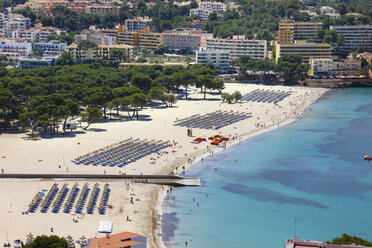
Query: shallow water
{"type": "Point", "coordinates": [307, 179]}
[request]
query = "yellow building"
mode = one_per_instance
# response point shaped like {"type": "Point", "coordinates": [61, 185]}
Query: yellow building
{"type": "Point", "coordinates": [143, 38]}
{"type": "Point", "coordinates": [285, 33]}
{"type": "Point", "coordinates": [306, 50]}
{"type": "Point", "coordinates": [336, 67]}
{"type": "Point", "coordinates": [290, 31]}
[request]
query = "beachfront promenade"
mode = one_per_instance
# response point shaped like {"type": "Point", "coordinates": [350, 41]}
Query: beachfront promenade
{"type": "Point", "coordinates": [170, 180]}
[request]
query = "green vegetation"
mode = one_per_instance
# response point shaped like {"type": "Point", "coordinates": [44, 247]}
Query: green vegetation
{"type": "Point", "coordinates": [229, 98]}
{"type": "Point", "coordinates": [44, 241]}
{"type": "Point", "coordinates": [290, 67]}
{"type": "Point", "coordinates": [348, 240]}
{"type": "Point", "coordinates": [47, 96]}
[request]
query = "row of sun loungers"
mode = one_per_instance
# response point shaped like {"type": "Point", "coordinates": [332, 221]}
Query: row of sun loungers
{"type": "Point", "coordinates": [48, 198]}
{"type": "Point", "coordinates": [71, 198]}
{"type": "Point", "coordinates": [105, 195]}
{"type": "Point", "coordinates": [60, 195]}
{"type": "Point", "coordinates": [214, 120]}
{"type": "Point", "coordinates": [60, 198]}
{"type": "Point", "coordinates": [93, 198]}
{"type": "Point", "coordinates": [82, 198]}
{"type": "Point", "coordinates": [266, 96]}
{"type": "Point", "coordinates": [122, 153]}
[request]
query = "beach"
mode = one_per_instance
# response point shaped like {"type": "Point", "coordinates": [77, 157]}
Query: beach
{"type": "Point", "coordinates": [53, 155]}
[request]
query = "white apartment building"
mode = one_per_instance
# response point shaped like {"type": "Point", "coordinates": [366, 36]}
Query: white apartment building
{"type": "Point", "coordinates": [29, 63]}
{"type": "Point", "coordinates": [137, 24]}
{"type": "Point", "coordinates": [14, 22]}
{"type": "Point", "coordinates": [220, 59]}
{"type": "Point", "coordinates": [215, 7]}
{"type": "Point", "coordinates": [15, 49]}
{"type": "Point", "coordinates": [185, 38]}
{"type": "Point", "coordinates": [256, 49]}
{"type": "Point", "coordinates": [203, 13]}
{"type": "Point", "coordinates": [355, 36]}
{"type": "Point", "coordinates": [52, 48]}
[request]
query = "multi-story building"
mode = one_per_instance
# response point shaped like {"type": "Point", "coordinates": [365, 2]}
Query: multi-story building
{"type": "Point", "coordinates": [290, 31]}
{"type": "Point", "coordinates": [334, 67]}
{"type": "Point", "coordinates": [215, 7]}
{"type": "Point", "coordinates": [203, 13]}
{"type": "Point", "coordinates": [29, 63]}
{"type": "Point", "coordinates": [99, 52]}
{"type": "Point", "coordinates": [101, 10]}
{"type": "Point", "coordinates": [143, 39]}
{"type": "Point", "coordinates": [137, 24]}
{"type": "Point", "coordinates": [306, 50]}
{"type": "Point", "coordinates": [355, 36]}
{"type": "Point", "coordinates": [52, 48]}
{"type": "Point", "coordinates": [219, 58]}
{"type": "Point", "coordinates": [37, 33]}
{"type": "Point", "coordinates": [256, 49]}
{"type": "Point", "coordinates": [14, 48]}
{"type": "Point", "coordinates": [149, 39]}
{"type": "Point", "coordinates": [97, 36]}
{"type": "Point", "coordinates": [185, 38]}
{"type": "Point", "coordinates": [13, 22]}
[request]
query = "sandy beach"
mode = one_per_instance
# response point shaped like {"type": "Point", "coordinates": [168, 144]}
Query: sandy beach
{"type": "Point", "coordinates": [53, 155]}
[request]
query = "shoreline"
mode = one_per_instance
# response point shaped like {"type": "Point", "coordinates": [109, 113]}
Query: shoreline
{"type": "Point", "coordinates": [161, 194]}
{"type": "Point", "coordinates": [53, 155]}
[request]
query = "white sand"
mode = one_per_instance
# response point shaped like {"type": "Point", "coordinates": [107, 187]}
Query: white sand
{"type": "Point", "coordinates": [44, 156]}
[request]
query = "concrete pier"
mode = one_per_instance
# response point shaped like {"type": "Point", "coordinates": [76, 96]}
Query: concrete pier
{"type": "Point", "coordinates": [171, 180]}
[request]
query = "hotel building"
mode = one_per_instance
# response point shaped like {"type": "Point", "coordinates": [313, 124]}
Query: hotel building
{"type": "Point", "coordinates": [334, 67]}
{"type": "Point", "coordinates": [15, 49]}
{"type": "Point", "coordinates": [306, 50]}
{"type": "Point", "coordinates": [52, 48]}
{"type": "Point", "coordinates": [256, 49]}
{"type": "Point", "coordinates": [290, 31]}
{"type": "Point", "coordinates": [137, 24]}
{"type": "Point", "coordinates": [29, 63]}
{"type": "Point", "coordinates": [143, 39]}
{"type": "Point", "coordinates": [184, 38]}
{"type": "Point", "coordinates": [355, 36]}
{"type": "Point", "coordinates": [220, 59]}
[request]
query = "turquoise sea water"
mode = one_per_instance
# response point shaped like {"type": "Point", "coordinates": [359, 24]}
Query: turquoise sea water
{"type": "Point", "coordinates": [311, 170]}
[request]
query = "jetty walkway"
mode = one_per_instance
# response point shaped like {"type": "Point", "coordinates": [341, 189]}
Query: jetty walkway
{"type": "Point", "coordinates": [171, 180]}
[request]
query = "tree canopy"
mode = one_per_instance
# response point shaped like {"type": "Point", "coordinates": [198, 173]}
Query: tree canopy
{"type": "Point", "coordinates": [44, 241]}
